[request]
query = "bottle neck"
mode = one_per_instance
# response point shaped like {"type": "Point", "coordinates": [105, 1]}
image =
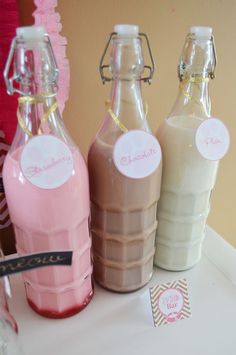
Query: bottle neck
{"type": "Point", "coordinates": [37, 110]}
{"type": "Point", "coordinates": [196, 66]}
{"type": "Point", "coordinates": [38, 114]}
{"type": "Point", "coordinates": [127, 103]}
{"type": "Point", "coordinates": [193, 97]}
{"type": "Point", "coordinates": [35, 78]}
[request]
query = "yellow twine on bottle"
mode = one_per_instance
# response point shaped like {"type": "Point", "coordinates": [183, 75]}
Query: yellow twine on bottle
{"type": "Point", "coordinates": [194, 80]}
{"type": "Point", "coordinates": [33, 100]}
{"type": "Point", "coordinates": [116, 119]}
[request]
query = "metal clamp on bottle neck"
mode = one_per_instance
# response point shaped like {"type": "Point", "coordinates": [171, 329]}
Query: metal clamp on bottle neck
{"type": "Point", "coordinates": [151, 68]}
{"type": "Point", "coordinates": [212, 73]}
{"type": "Point", "coordinates": [11, 89]}
{"type": "Point", "coordinates": [182, 66]}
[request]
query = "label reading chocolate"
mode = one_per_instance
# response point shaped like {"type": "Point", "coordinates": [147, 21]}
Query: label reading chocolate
{"type": "Point", "coordinates": [46, 161]}
{"type": "Point", "coordinates": [212, 139]}
{"type": "Point", "coordinates": [137, 154]}
{"type": "Point", "coordinates": [1, 186]}
{"type": "Point", "coordinates": [29, 262]}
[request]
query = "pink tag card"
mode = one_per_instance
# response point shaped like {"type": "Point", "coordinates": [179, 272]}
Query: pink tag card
{"type": "Point", "coordinates": [212, 139]}
{"type": "Point", "coordinates": [170, 302]}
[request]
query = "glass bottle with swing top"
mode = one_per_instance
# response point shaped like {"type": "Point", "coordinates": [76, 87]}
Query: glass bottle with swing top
{"type": "Point", "coordinates": [46, 181]}
{"type": "Point", "coordinates": [124, 163]}
{"type": "Point", "coordinates": [188, 178]}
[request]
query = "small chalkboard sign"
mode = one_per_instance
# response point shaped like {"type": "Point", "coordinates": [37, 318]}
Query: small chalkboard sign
{"type": "Point", "coordinates": [33, 261]}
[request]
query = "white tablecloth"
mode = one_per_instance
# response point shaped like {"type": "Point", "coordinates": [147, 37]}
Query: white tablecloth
{"type": "Point", "coordinates": [121, 324]}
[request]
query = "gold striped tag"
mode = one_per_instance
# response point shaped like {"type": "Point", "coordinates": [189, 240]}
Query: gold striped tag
{"type": "Point", "coordinates": [170, 302]}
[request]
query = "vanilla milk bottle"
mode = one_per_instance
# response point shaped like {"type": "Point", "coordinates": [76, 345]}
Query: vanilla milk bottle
{"type": "Point", "coordinates": [188, 178]}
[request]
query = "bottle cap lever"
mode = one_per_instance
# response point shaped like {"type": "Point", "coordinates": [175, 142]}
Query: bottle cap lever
{"type": "Point", "coordinates": [151, 68]}
{"type": "Point", "coordinates": [11, 89]}
{"type": "Point", "coordinates": [208, 35]}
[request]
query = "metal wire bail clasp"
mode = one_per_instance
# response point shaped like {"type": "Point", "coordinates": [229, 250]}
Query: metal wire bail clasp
{"type": "Point", "coordinates": [11, 89]}
{"type": "Point", "coordinates": [212, 73]}
{"type": "Point", "coordinates": [9, 81]}
{"type": "Point", "coordinates": [151, 68]}
{"type": "Point", "coordinates": [182, 66]}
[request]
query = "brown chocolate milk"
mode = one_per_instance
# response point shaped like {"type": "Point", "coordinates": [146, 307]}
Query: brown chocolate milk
{"type": "Point", "coordinates": [123, 221]}
{"type": "Point", "coordinates": [123, 209]}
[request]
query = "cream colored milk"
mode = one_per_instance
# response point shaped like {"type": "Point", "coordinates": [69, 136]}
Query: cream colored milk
{"type": "Point", "coordinates": [187, 182]}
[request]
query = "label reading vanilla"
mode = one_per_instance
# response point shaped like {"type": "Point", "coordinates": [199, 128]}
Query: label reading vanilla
{"type": "Point", "coordinates": [212, 139]}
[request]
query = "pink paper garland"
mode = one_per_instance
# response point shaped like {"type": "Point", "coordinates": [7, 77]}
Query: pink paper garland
{"type": "Point", "coordinates": [46, 16]}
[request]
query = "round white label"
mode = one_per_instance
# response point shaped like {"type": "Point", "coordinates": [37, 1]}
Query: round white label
{"type": "Point", "coordinates": [212, 139]}
{"type": "Point", "coordinates": [171, 303]}
{"type": "Point", "coordinates": [46, 162]}
{"type": "Point", "coordinates": [137, 154]}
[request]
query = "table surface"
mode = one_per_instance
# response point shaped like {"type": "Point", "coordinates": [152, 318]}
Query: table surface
{"type": "Point", "coordinates": [114, 324]}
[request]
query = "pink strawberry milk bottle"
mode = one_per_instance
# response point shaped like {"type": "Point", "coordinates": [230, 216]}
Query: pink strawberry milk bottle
{"type": "Point", "coordinates": [46, 181]}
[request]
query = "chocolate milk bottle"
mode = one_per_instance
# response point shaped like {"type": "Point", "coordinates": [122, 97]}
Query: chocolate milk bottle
{"type": "Point", "coordinates": [123, 205]}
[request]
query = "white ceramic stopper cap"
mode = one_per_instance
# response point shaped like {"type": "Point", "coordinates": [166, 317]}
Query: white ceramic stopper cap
{"type": "Point", "coordinates": [30, 33]}
{"type": "Point", "coordinates": [201, 32]}
{"type": "Point", "coordinates": [126, 30]}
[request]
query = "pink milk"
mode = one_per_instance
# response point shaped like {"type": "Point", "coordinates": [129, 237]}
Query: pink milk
{"type": "Point", "coordinates": [52, 219]}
